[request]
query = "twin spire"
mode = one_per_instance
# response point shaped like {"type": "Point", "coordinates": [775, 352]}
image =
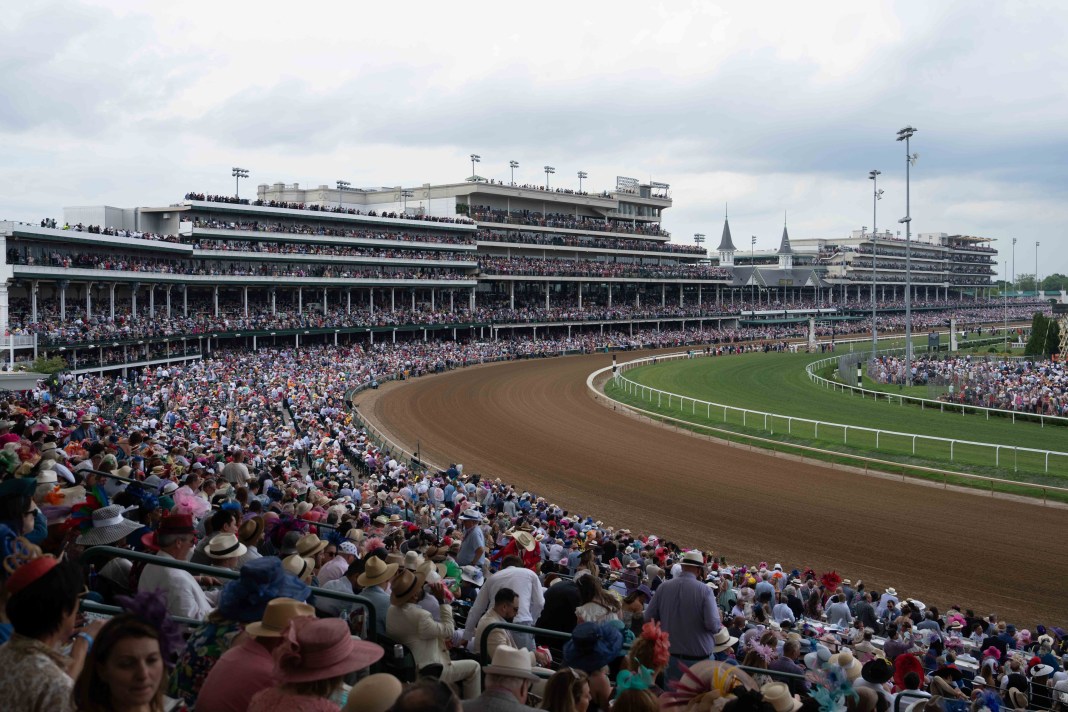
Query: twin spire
{"type": "Point", "coordinates": [726, 244]}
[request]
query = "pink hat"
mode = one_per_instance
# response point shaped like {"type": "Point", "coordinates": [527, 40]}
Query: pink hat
{"type": "Point", "coordinates": [319, 649]}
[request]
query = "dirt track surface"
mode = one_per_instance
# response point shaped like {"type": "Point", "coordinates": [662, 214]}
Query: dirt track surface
{"type": "Point", "coordinates": [534, 424]}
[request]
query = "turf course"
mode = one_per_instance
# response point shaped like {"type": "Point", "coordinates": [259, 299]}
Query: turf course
{"type": "Point", "coordinates": [777, 383]}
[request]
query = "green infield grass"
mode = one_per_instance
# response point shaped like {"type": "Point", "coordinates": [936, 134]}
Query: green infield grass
{"type": "Point", "coordinates": [777, 383]}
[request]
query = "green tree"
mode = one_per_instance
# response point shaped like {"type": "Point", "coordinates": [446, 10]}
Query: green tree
{"type": "Point", "coordinates": [1053, 337]}
{"type": "Point", "coordinates": [1036, 342]}
{"type": "Point", "coordinates": [1055, 281]}
{"type": "Point", "coordinates": [49, 365]}
{"type": "Point", "coordinates": [1025, 282]}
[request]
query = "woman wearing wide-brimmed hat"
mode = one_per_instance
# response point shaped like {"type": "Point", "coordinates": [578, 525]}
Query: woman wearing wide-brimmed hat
{"type": "Point", "coordinates": [109, 527]}
{"type": "Point", "coordinates": [310, 665]}
{"type": "Point", "coordinates": [241, 601]}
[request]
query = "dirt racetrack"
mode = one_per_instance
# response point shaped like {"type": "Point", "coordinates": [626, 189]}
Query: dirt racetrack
{"type": "Point", "coordinates": [534, 424]}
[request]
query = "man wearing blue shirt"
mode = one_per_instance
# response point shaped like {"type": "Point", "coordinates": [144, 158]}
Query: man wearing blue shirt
{"type": "Point", "coordinates": [687, 610]}
{"type": "Point", "coordinates": [473, 547]}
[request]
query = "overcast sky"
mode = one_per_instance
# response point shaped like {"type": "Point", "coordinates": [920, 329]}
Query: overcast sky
{"type": "Point", "coordinates": [767, 106]}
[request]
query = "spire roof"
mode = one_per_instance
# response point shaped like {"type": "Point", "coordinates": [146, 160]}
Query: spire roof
{"type": "Point", "coordinates": [725, 243]}
{"type": "Point", "coordinates": [784, 246]}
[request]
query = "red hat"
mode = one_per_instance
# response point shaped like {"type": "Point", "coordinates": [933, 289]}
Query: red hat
{"type": "Point", "coordinates": [170, 524]}
{"type": "Point", "coordinates": [29, 572]}
{"type": "Point", "coordinates": [321, 648]}
{"type": "Point", "coordinates": [903, 665]}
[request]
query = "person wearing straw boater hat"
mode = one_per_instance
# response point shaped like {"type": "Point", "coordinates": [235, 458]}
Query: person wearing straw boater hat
{"type": "Point", "coordinates": [250, 533]}
{"type": "Point", "coordinates": [473, 546]}
{"type": "Point", "coordinates": [299, 566]}
{"type": "Point", "coordinates": [688, 611]}
{"type": "Point", "coordinates": [249, 666]}
{"type": "Point", "coordinates": [311, 661]}
{"type": "Point", "coordinates": [375, 582]}
{"type": "Point", "coordinates": [414, 627]}
{"type": "Point", "coordinates": [509, 678]}
{"type": "Point", "coordinates": [174, 539]}
{"type": "Point", "coordinates": [224, 550]}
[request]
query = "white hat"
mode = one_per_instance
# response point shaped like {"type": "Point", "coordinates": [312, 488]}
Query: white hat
{"type": "Point", "coordinates": [225, 546]}
{"type": "Point", "coordinates": [692, 558]}
{"type": "Point", "coordinates": [347, 547]}
{"type": "Point", "coordinates": [511, 662]}
{"type": "Point", "coordinates": [471, 515]}
{"type": "Point", "coordinates": [723, 640]}
{"type": "Point", "coordinates": [472, 575]}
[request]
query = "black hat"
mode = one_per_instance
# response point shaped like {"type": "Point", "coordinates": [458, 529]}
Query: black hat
{"type": "Point", "coordinates": [877, 671]}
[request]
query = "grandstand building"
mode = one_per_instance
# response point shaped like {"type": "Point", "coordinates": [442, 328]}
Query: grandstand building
{"type": "Point", "coordinates": [943, 266]}
{"type": "Point", "coordinates": [116, 288]}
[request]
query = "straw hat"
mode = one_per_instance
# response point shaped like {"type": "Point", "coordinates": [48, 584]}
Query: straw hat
{"type": "Point", "coordinates": [848, 663]}
{"type": "Point", "coordinates": [277, 615]}
{"type": "Point", "coordinates": [524, 540]}
{"type": "Point", "coordinates": [406, 587]}
{"type": "Point", "coordinates": [225, 546]}
{"type": "Point", "coordinates": [374, 693]}
{"type": "Point", "coordinates": [723, 640]}
{"type": "Point", "coordinates": [511, 662]}
{"type": "Point", "coordinates": [376, 572]}
{"type": "Point", "coordinates": [250, 530]}
{"type": "Point", "coordinates": [319, 649]}
{"type": "Point", "coordinates": [109, 526]}
{"type": "Point", "coordinates": [777, 694]}
{"type": "Point", "coordinates": [309, 545]}
{"type": "Point", "coordinates": [299, 566]}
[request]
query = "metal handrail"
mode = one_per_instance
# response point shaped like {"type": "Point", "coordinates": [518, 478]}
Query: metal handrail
{"type": "Point", "coordinates": [95, 553]}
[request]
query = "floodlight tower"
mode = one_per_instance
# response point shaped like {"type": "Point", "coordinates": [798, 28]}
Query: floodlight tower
{"type": "Point", "coordinates": [906, 135]}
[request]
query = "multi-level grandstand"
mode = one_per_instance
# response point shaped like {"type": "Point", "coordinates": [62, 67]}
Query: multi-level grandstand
{"type": "Point", "coordinates": [478, 259]}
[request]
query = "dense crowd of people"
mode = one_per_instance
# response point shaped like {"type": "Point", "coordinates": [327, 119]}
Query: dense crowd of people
{"type": "Point", "coordinates": [601, 243]}
{"type": "Point", "coordinates": [316, 208]}
{"type": "Point", "coordinates": [569, 221]}
{"type": "Point", "coordinates": [548, 267]}
{"type": "Point", "coordinates": [253, 462]}
{"type": "Point", "coordinates": [1022, 385]}
{"type": "Point", "coordinates": [316, 230]}
{"type": "Point", "coordinates": [75, 327]}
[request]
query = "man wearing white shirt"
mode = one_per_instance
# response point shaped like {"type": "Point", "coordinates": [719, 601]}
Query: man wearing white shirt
{"type": "Point", "coordinates": [526, 585]}
{"type": "Point", "coordinates": [175, 539]}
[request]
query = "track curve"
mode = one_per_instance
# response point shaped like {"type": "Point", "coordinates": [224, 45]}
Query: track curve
{"type": "Point", "coordinates": [534, 424]}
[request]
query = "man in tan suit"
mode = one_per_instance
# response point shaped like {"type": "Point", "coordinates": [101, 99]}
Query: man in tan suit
{"type": "Point", "coordinates": [414, 627]}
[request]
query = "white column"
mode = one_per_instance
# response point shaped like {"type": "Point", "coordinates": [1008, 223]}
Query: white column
{"type": "Point", "coordinates": [215, 298]}
{"type": "Point", "coordinates": [546, 296]}
{"type": "Point", "coordinates": [151, 301]}
{"type": "Point", "coordinates": [472, 299]}
{"type": "Point", "coordinates": [663, 296]}
{"type": "Point", "coordinates": [700, 289]}
{"type": "Point", "coordinates": [300, 299]}
{"type": "Point", "coordinates": [609, 295]}
{"type": "Point", "coordinates": [5, 313]}
{"type": "Point", "coordinates": [34, 285]}
{"type": "Point", "coordinates": [63, 301]}
{"type": "Point", "coordinates": [413, 298]}
{"type": "Point", "coordinates": [168, 295]}
{"type": "Point", "coordinates": [452, 301]}
{"type": "Point", "coordinates": [433, 298]}
{"type": "Point", "coordinates": [392, 299]}
{"type": "Point", "coordinates": [511, 295]}
{"type": "Point", "coordinates": [371, 299]}
{"type": "Point", "coordinates": [324, 301]}
{"type": "Point", "coordinates": [88, 300]}
{"type": "Point", "coordinates": [274, 301]}
{"type": "Point", "coordinates": [348, 301]}
{"type": "Point", "coordinates": [244, 298]}
{"type": "Point", "coordinates": [580, 294]}
{"type": "Point", "coordinates": [185, 301]}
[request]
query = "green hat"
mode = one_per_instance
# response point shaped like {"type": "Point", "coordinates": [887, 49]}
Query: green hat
{"type": "Point", "coordinates": [15, 486]}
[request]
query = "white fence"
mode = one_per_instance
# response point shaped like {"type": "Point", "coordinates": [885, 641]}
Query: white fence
{"type": "Point", "coordinates": [925, 403]}
{"type": "Point", "coordinates": [766, 421]}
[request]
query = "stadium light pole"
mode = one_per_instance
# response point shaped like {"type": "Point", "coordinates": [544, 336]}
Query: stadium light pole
{"type": "Point", "coordinates": [342, 185]}
{"type": "Point", "coordinates": [1014, 264]}
{"type": "Point", "coordinates": [238, 174]}
{"type": "Point", "coordinates": [1005, 304]}
{"type": "Point", "coordinates": [877, 196]}
{"type": "Point", "coordinates": [475, 158]}
{"type": "Point", "coordinates": [905, 135]}
{"type": "Point", "coordinates": [581, 175]}
{"type": "Point", "coordinates": [405, 194]}
{"type": "Point", "coordinates": [549, 170]}
{"type": "Point", "coordinates": [698, 238]}
{"type": "Point", "coordinates": [1037, 288]}
{"type": "Point", "coordinates": [513, 165]}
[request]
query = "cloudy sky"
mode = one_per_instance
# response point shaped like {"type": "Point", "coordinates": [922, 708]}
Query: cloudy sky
{"type": "Point", "coordinates": [768, 106]}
